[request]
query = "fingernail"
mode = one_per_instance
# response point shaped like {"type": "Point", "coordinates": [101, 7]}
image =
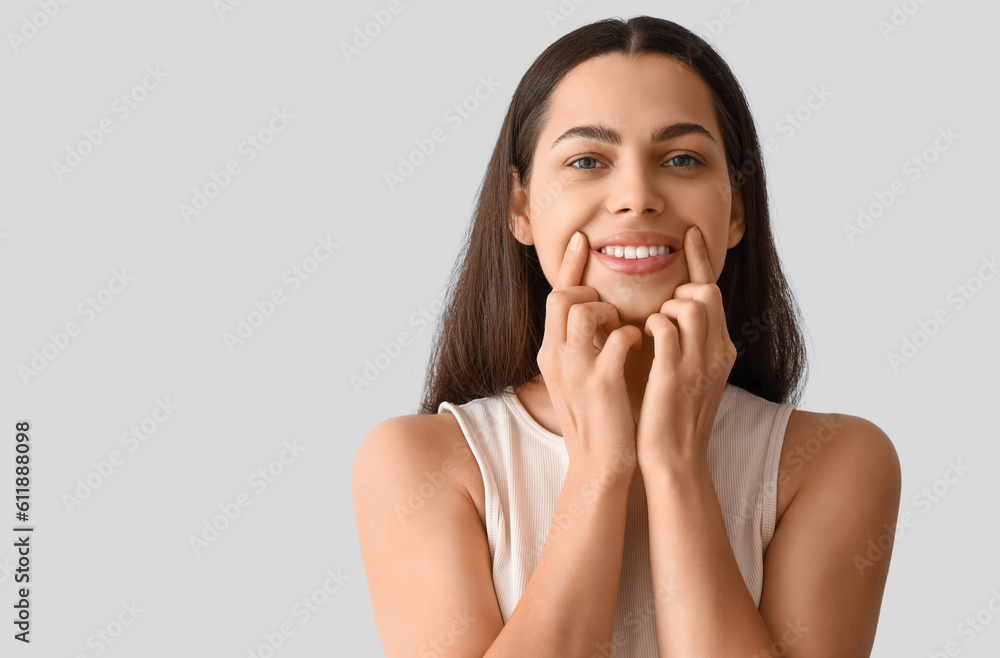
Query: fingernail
{"type": "Point", "coordinates": [574, 242]}
{"type": "Point", "coordinates": [697, 234]}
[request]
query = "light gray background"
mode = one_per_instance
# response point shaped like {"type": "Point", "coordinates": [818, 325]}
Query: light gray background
{"type": "Point", "coordinates": [162, 336]}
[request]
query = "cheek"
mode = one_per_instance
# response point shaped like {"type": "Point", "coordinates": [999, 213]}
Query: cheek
{"type": "Point", "coordinates": [550, 245]}
{"type": "Point", "coordinates": [554, 218]}
{"type": "Point", "coordinates": [717, 243]}
{"type": "Point", "coordinates": [709, 200]}
{"type": "Point", "coordinates": [547, 191]}
{"type": "Point", "coordinates": [709, 207]}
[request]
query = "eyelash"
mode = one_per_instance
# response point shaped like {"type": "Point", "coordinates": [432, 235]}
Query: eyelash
{"type": "Point", "coordinates": [695, 162]}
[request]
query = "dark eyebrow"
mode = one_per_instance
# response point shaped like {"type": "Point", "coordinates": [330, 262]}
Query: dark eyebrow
{"type": "Point", "coordinates": [607, 135]}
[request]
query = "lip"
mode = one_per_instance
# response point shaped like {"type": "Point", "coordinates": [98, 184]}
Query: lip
{"type": "Point", "coordinates": [637, 239]}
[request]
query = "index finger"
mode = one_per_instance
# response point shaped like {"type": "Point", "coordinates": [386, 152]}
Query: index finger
{"type": "Point", "coordinates": [574, 260]}
{"type": "Point", "coordinates": [696, 255]}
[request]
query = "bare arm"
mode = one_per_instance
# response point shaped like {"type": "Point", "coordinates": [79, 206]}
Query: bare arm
{"type": "Point", "coordinates": [816, 571]}
{"type": "Point", "coordinates": [713, 614]}
{"type": "Point", "coordinates": [422, 569]}
{"type": "Point", "coordinates": [816, 601]}
{"type": "Point", "coordinates": [429, 572]}
{"type": "Point", "coordinates": [568, 607]}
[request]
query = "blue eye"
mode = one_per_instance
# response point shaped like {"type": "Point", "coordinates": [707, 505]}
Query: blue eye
{"type": "Point", "coordinates": [586, 157]}
{"type": "Point", "coordinates": [693, 160]}
{"type": "Point", "coordinates": [688, 161]}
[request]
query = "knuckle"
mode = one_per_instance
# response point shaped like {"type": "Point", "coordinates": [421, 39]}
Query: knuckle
{"type": "Point", "coordinates": [586, 292]}
{"type": "Point", "coordinates": [658, 322]}
{"type": "Point", "coordinates": [709, 291]}
{"type": "Point", "coordinates": [576, 337]}
{"type": "Point", "coordinates": [692, 309]}
{"type": "Point", "coordinates": [670, 305]}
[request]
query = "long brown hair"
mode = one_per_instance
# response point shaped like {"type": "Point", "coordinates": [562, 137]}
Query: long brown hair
{"type": "Point", "coordinates": [493, 320]}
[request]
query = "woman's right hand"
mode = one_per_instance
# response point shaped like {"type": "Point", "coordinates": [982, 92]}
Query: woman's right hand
{"type": "Point", "coordinates": [582, 361]}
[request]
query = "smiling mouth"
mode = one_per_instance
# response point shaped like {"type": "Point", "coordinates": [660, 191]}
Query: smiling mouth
{"type": "Point", "coordinates": [631, 252]}
{"type": "Point", "coordinates": [645, 265]}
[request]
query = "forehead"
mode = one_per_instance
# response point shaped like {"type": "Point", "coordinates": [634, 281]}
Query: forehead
{"type": "Point", "coordinates": [631, 94]}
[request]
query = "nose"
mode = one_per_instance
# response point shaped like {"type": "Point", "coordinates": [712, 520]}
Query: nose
{"type": "Point", "coordinates": [634, 191]}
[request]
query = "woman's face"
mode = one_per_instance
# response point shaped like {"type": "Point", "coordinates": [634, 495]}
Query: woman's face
{"type": "Point", "coordinates": [611, 177]}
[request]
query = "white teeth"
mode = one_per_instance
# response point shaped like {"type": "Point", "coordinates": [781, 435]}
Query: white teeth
{"type": "Point", "coordinates": [635, 253]}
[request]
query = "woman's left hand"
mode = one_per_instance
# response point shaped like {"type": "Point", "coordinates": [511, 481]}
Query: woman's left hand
{"type": "Point", "coordinates": [693, 356]}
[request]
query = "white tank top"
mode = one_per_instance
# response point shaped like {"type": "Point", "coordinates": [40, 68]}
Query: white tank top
{"type": "Point", "coordinates": [524, 466]}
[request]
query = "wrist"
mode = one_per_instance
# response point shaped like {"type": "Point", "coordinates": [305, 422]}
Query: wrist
{"type": "Point", "coordinates": [680, 471]}
{"type": "Point", "coordinates": [603, 475]}
{"type": "Point", "coordinates": [621, 461]}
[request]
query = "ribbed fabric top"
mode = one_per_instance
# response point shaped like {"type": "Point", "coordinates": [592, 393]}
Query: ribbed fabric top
{"type": "Point", "coordinates": [524, 466]}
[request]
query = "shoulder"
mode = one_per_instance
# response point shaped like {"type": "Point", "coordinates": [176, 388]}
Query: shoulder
{"type": "Point", "coordinates": [423, 547]}
{"type": "Point", "coordinates": [422, 452]}
{"type": "Point", "coordinates": [837, 452]}
{"type": "Point", "coordinates": [833, 543]}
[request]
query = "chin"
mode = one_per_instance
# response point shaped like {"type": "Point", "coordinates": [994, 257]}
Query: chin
{"type": "Point", "coordinates": [636, 297]}
{"type": "Point", "coordinates": [634, 309]}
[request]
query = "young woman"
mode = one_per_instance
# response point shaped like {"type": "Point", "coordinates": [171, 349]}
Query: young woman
{"type": "Point", "coordinates": [608, 460]}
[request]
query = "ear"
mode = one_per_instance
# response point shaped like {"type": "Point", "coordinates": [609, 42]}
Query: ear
{"type": "Point", "coordinates": [521, 224]}
{"type": "Point", "coordinates": [737, 216]}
